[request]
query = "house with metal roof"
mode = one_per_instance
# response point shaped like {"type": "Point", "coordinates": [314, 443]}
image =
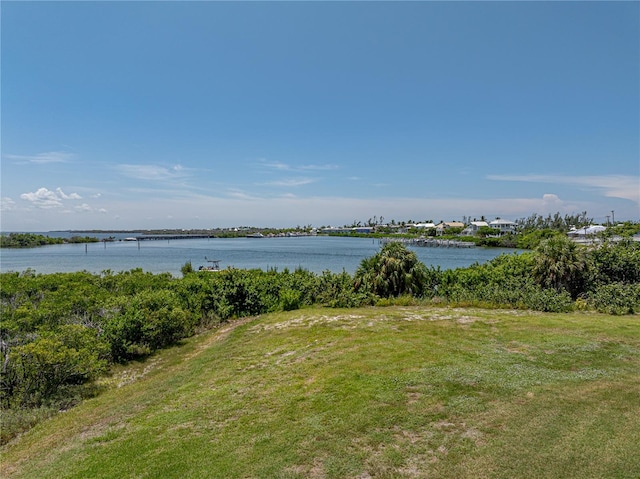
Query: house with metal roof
{"type": "Point", "coordinates": [586, 234]}
{"type": "Point", "coordinates": [473, 227]}
{"type": "Point", "coordinates": [424, 226]}
{"type": "Point", "coordinates": [503, 226]}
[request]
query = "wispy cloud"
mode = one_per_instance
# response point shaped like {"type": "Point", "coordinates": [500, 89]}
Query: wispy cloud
{"type": "Point", "coordinates": [152, 172]}
{"type": "Point", "coordinates": [85, 208]}
{"type": "Point", "coordinates": [45, 198]}
{"type": "Point", "coordinates": [6, 203]}
{"type": "Point", "coordinates": [279, 166]}
{"type": "Point", "coordinates": [291, 182]}
{"type": "Point", "coordinates": [614, 186]}
{"type": "Point", "coordinates": [240, 194]}
{"type": "Point", "coordinates": [43, 158]}
{"type": "Point", "coordinates": [275, 165]}
{"type": "Point", "coordinates": [318, 167]}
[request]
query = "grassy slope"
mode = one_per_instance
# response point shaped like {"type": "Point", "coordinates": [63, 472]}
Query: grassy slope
{"type": "Point", "coordinates": [380, 392]}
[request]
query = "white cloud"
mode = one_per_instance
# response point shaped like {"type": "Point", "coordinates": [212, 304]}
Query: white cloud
{"type": "Point", "coordinates": [42, 158]}
{"type": "Point", "coordinates": [612, 186]}
{"type": "Point", "coordinates": [72, 196]}
{"type": "Point", "coordinates": [551, 200]}
{"type": "Point", "coordinates": [45, 198]}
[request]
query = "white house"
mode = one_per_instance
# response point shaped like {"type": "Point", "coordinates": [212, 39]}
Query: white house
{"type": "Point", "coordinates": [425, 226]}
{"type": "Point", "coordinates": [586, 234]}
{"type": "Point", "coordinates": [503, 226]}
{"type": "Point", "coordinates": [473, 227]}
{"type": "Point", "coordinates": [586, 231]}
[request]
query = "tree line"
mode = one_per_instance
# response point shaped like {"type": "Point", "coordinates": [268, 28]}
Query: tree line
{"type": "Point", "coordinates": [59, 332]}
{"type": "Point", "coordinates": [31, 240]}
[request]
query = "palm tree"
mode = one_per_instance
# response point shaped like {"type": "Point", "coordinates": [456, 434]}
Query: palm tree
{"type": "Point", "coordinates": [560, 264]}
{"type": "Point", "coordinates": [392, 272]}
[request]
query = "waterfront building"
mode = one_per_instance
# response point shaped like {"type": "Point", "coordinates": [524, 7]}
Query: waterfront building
{"type": "Point", "coordinates": [443, 226]}
{"type": "Point", "coordinates": [473, 228]}
{"type": "Point", "coordinates": [503, 226]}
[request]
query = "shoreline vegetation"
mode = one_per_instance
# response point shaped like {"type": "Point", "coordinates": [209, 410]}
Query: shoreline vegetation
{"type": "Point", "coordinates": [32, 240]}
{"type": "Point", "coordinates": [61, 333]}
{"type": "Point", "coordinates": [525, 233]}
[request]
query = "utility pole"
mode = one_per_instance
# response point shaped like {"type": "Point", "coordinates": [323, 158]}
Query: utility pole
{"type": "Point", "coordinates": [607, 220]}
{"type": "Point", "coordinates": [613, 218]}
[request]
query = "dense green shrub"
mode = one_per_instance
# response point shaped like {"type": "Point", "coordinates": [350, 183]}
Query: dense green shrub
{"type": "Point", "coordinates": [519, 293]}
{"type": "Point", "coordinates": [616, 298]}
{"type": "Point", "coordinates": [290, 299]}
{"type": "Point", "coordinates": [149, 321]}
{"type": "Point", "coordinates": [35, 372]}
{"type": "Point", "coordinates": [615, 262]}
{"type": "Point", "coordinates": [503, 241]}
{"type": "Point", "coordinates": [532, 239]}
{"type": "Point", "coordinates": [31, 240]}
{"type": "Point", "coordinates": [134, 281]}
{"type": "Point", "coordinates": [26, 240]}
{"type": "Point", "coordinates": [336, 290]}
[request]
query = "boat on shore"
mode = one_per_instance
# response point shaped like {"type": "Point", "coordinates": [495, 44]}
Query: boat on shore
{"type": "Point", "coordinates": [213, 267]}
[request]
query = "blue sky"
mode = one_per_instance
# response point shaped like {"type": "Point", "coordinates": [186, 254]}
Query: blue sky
{"type": "Point", "coordinates": [126, 115]}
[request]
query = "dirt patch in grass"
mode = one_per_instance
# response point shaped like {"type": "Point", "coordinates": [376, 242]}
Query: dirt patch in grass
{"type": "Point", "coordinates": [350, 321]}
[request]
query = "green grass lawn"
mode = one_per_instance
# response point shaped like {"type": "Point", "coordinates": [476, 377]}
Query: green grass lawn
{"type": "Point", "coordinates": [397, 392]}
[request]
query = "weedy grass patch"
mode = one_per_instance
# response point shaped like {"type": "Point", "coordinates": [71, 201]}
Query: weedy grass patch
{"type": "Point", "coordinates": [394, 392]}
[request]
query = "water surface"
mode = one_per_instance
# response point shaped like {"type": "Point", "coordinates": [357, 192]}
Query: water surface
{"type": "Point", "coordinates": [314, 253]}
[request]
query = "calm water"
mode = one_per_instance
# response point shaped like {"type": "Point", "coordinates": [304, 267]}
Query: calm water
{"type": "Point", "coordinates": [315, 254]}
